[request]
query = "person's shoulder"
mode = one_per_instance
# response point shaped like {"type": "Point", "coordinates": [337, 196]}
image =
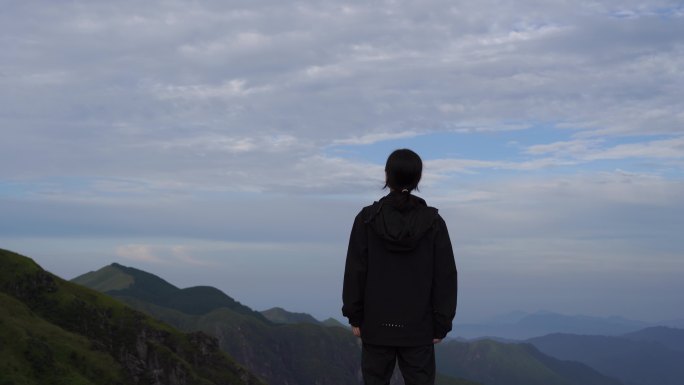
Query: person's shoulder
{"type": "Point", "coordinates": [422, 205]}
{"type": "Point", "coordinates": [434, 213]}
{"type": "Point", "coordinates": [367, 211]}
{"type": "Point", "coordinates": [440, 224]}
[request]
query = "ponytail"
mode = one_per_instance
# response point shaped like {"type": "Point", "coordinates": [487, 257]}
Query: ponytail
{"type": "Point", "coordinates": [403, 171]}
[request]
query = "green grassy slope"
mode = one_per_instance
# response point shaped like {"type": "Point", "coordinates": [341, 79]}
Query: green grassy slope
{"type": "Point", "coordinates": [106, 279]}
{"type": "Point", "coordinates": [151, 288]}
{"type": "Point", "coordinates": [147, 350]}
{"type": "Point", "coordinates": [34, 351]}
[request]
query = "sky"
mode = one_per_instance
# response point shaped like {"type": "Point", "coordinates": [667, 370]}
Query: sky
{"type": "Point", "coordinates": [231, 143]}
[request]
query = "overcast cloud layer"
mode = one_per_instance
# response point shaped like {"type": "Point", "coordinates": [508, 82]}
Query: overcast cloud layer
{"type": "Point", "coordinates": [231, 143]}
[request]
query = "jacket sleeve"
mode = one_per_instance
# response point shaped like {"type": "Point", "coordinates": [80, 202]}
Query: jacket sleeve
{"type": "Point", "coordinates": [355, 273]}
{"type": "Point", "coordinates": [444, 283]}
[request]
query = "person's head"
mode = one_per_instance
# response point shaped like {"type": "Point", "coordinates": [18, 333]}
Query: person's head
{"type": "Point", "coordinates": [403, 170]}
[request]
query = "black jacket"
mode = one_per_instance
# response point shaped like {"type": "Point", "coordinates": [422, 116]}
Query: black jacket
{"type": "Point", "coordinates": [400, 278]}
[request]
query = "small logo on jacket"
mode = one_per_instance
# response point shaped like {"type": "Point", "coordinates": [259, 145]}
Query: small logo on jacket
{"type": "Point", "coordinates": [391, 325]}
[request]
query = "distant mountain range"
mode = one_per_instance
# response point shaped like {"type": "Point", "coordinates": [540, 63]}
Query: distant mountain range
{"type": "Point", "coordinates": [53, 331]}
{"type": "Point", "coordinates": [281, 316]}
{"type": "Point", "coordinates": [495, 363]}
{"type": "Point", "coordinates": [652, 356]}
{"type": "Point", "coordinates": [56, 332]}
{"type": "Point", "coordinates": [515, 360]}
{"type": "Point", "coordinates": [672, 338]}
{"type": "Point", "coordinates": [675, 323]}
{"type": "Point", "coordinates": [521, 326]}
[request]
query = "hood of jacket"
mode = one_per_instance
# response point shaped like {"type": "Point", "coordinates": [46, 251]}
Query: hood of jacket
{"type": "Point", "coordinates": [401, 224]}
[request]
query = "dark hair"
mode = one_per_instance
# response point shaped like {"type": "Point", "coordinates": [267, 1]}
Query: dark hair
{"type": "Point", "coordinates": [403, 171]}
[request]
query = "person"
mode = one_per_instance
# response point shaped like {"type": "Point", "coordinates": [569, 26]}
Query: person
{"type": "Point", "coordinates": [400, 279]}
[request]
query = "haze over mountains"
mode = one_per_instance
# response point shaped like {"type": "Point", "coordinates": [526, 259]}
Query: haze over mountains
{"type": "Point", "coordinates": [283, 347]}
{"type": "Point", "coordinates": [652, 356]}
{"type": "Point", "coordinates": [521, 325]}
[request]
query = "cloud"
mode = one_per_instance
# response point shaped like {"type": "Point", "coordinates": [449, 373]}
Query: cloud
{"type": "Point", "coordinates": [229, 89]}
{"type": "Point", "coordinates": [656, 149]}
{"type": "Point", "coordinates": [448, 166]}
{"type": "Point", "coordinates": [572, 147]}
{"type": "Point", "coordinates": [216, 120]}
{"type": "Point", "coordinates": [159, 254]}
{"type": "Point", "coordinates": [196, 84]}
{"type": "Point", "coordinates": [613, 231]}
{"type": "Point", "coordinates": [374, 138]}
{"type": "Point", "coordinates": [597, 149]}
{"type": "Point", "coordinates": [139, 253]}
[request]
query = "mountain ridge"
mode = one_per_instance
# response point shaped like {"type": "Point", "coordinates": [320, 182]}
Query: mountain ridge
{"type": "Point", "coordinates": [280, 315]}
{"type": "Point", "coordinates": [195, 300]}
{"type": "Point", "coordinates": [633, 361]}
{"type": "Point", "coordinates": [670, 337]}
{"type": "Point", "coordinates": [521, 326]}
{"type": "Point", "coordinates": [494, 363]}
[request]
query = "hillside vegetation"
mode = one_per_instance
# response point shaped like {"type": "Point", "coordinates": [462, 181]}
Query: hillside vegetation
{"type": "Point", "coordinates": [57, 332]}
{"type": "Point", "coordinates": [34, 351]}
{"type": "Point", "coordinates": [290, 348]}
{"type": "Point", "coordinates": [121, 281]}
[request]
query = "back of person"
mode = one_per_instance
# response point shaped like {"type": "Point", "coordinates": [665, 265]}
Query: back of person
{"type": "Point", "coordinates": [400, 279]}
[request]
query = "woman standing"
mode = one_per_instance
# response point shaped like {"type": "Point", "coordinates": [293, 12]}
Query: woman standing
{"type": "Point", "coordinates": [400, 279]}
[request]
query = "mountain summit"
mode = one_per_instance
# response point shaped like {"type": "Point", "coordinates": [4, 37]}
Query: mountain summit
{"type": "Point", "coordinates": [127, 282]}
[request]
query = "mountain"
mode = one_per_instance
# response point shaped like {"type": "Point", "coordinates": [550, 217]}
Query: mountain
{"type": "Point", "coordinates": [282, 316]}
{"type": "Point", "coordinates": [287, 351]}
{"type": "Point", "coordinates": [673, 323]}
{"type": "Point", "coordinates": [671, 337]}
{"type": "Point", "coordinates": [121, 281]}
{"type": "Point", "coordinates": [279, 315]}
{"type": "Point", "coordinates": [495, 363]}
{"type": "Point", "coordinates": [282, 353]}
{"type": "Point", "coordinates": [332, 322]}
{"type": "Point", "coordinates": [632, 361]}
{"type": "Point", "coordinates": [519, 327]}
{"type": "Point", "coordinates": [56, 332]}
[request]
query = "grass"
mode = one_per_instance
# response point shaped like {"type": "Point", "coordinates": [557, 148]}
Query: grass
{"type": "Point", "coordinates": [34, 351]}
{"type": "Point", "coordinates": [93, 322]}
{"type": "Point", "coordinates": [106, 279]}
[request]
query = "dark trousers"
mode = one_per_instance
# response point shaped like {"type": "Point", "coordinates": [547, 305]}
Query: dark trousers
{"type": "Point", "coordinates": [417, 364]}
